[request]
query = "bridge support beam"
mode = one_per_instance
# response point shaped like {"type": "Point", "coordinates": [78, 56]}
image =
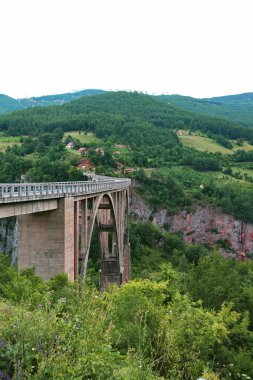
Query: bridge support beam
{"type": "Point", "coordinates": [46, 240]}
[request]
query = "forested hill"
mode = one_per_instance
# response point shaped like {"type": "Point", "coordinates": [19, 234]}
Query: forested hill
{"type": "Point", "coordinates": [8, 104]}
{"type": "Point", "coordinates": [122, 114]}
{"type": "Point", "coordinates": [236, 108]}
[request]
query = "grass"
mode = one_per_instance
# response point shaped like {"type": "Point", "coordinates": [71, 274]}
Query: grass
{"type": "Point", "coordinates": [205, 144]}
{"type": "Point", "coordinates": [84, 137]}
{"type": "Point", "coordinates": [246, 146]}
{"type": "Point", "coordinates": [8, 141]}
{"type": "Point", "coordinates": [242, 170]}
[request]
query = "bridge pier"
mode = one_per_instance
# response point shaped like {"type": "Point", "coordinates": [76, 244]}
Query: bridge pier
{"type": "Point", "coordinates": [46, 240]}
{"type": "Point", "coordinates": [59, 240]}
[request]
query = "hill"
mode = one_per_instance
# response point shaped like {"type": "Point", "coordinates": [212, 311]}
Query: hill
{"type": "Point", "coordinates": [8, 104]}
{"type": "Point", "coordinates": [106, 112]}
{"type": "Point", "coordinates": [236, 108]}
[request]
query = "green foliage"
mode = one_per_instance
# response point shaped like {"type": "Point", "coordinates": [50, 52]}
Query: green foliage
{"type": "Point", "coordinates": [147, 329]}
{"type": "Point", "coordinates": [236, 108]}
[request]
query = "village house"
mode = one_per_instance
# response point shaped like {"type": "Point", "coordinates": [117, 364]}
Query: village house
{"type": "Point", "coordinates": [116, 152]}
{"type": "Point", "coordinates": [84, 164]}
{"type": "Point", "coordinates": [70, 145]}
{"type": "Point", "coordinates": [100, 151]}
{"type": "Point", "coordinates": [83, 151]}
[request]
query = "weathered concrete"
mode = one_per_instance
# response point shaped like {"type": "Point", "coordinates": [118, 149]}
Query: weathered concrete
{"type": "Point", "coordinates": [46, 240]}
{"type": "Point", "coordinates": [16, 209]}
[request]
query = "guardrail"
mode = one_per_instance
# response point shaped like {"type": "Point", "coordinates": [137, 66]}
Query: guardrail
{"type": "Point", "coordinates": [13, 192]}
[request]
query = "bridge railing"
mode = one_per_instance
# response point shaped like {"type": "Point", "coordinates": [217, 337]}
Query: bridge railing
{"type": "Point", "coordinates": [21, 191]}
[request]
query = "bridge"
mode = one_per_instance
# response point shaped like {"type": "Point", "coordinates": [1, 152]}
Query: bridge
{"type": "Point", "coordinates": [56, 221]}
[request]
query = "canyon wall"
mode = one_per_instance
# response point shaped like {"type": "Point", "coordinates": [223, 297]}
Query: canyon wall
{"type": "Point", "coordinates": [9, 237]}
{"type": "Point", "coordinates": [206, 225]}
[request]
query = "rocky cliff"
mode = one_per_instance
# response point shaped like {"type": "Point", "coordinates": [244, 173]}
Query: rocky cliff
{"type": "Point", "coordinates": [206, 225]}
{"type": "Point", "coordinates": [9, 237]}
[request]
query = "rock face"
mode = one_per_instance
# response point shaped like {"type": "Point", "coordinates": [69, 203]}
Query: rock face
{"type": "Point", "coordinates": [208, 225]}
{"type": "Point", "coordinates": [139, 210]}
{"type": "Point", "coordinates": [9, 237]}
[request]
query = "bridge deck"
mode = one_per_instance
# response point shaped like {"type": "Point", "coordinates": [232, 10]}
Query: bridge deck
{"type": "Point", "coordinates": [23, 192]}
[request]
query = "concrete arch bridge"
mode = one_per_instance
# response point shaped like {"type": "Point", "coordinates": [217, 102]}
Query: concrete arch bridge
{"type": "Point", "coordinates": [56, 221]}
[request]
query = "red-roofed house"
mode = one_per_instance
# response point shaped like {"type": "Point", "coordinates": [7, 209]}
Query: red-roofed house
{"type": "Point", "coordinates": [84, 164]}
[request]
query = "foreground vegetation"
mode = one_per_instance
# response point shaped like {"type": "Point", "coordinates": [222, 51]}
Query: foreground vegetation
{"type": "Point", "coordinates": [187, 313]}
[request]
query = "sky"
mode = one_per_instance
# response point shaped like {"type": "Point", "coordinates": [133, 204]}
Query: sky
{"type": "Point", "coordinates": [199, 48]}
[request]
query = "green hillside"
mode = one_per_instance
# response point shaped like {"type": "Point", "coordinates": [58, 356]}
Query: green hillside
{"type": "Point", "coordinates": [236, 108]}
{"type": "Point", "coordinates": [206, 144]}
{"type": "Point", "coordinates": [8, 104]}
{"type": "Point", "coordinates": [121, 108]}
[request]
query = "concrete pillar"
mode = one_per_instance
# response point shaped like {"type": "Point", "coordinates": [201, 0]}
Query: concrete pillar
{"type": "Point", "coordinates": [47, 240]}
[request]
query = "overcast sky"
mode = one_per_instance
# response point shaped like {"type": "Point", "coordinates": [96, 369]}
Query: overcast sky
{"type": "Point", "coordinates": [200, 48]}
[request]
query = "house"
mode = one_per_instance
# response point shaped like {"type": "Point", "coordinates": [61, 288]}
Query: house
{"type": "Point", "coordinates": [180, 132]}
{"type": "Point", "coordinates": [100, 151]}
{"type": "Point", "coordinates": [70, 145]}
{"type": "Point", "coordinates": [83, 151]}
{"type": "Point", "coordinates": [116, 152]}
{"type": "Point", "coordinates": [84, 164]}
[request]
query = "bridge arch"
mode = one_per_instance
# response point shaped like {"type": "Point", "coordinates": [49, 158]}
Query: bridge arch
{"type": "Point", "coordinates": [108, 212]}
{"type": "Point", "coordinates": [103, 215]}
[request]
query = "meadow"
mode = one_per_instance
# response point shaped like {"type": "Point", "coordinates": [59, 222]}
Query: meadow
{"type": "Point", "coordinates": [84, 137]}
{"type": "Point", "coordinates": [206, 144]}
{"type": "Point", "coordinates": [6, 141]}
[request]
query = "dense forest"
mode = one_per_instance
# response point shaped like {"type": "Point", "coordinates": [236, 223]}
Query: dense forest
{"type": "Point", "coordinates": [236, 108]}
{"type": "Point", "coordinates": [117, 107]}
{"type": "Point", "coordinates": [188, 311]}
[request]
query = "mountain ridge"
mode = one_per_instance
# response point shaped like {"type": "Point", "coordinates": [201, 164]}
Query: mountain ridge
{"type": "Point", "coordinates": [237, 108]}
{"type": "Point", "coordinates": [9, 104]}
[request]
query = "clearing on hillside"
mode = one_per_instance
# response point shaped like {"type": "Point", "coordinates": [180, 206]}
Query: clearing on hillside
{"type": "Point", "coordinates": [84, 137]}
{"type": "Point", "coordinates": [6, 141]}
{"type": "Point", "coordinates": [206, 144]}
